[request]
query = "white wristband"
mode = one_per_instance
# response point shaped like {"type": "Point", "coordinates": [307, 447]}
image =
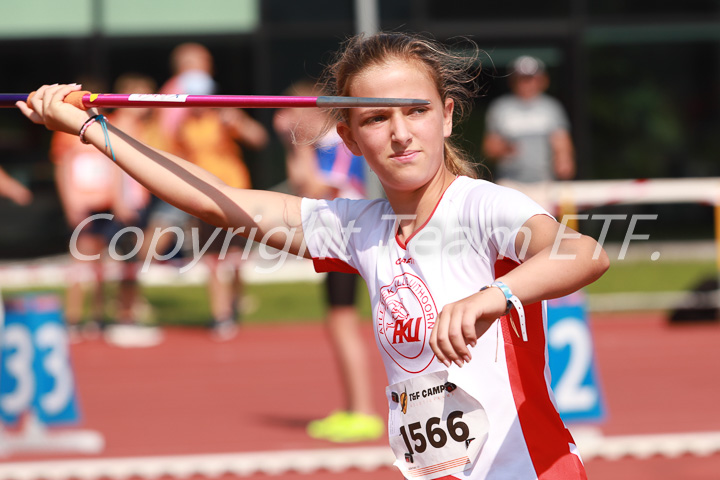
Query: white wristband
{"type": "Point", "coordinates": [512, 301]}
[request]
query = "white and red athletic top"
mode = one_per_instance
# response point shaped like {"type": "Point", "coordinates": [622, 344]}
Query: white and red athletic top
{"type": "Point", "coordinates": [467, 242]}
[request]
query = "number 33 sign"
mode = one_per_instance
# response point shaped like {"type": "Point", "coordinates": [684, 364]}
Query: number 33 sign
{"type": "Point", "coordinates": [570, 348]}
{"type": "Point", "coordinates": [35, 370]}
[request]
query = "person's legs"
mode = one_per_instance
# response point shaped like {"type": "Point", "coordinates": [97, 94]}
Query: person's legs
{"type": "Point", "coordinates": [74, 296]}
{"type": "Point", "coordinates": [343, 324]}
{"type": "Point", "coordinates": [97, 307]}
{"type": "Point", "coordinates": [133, 315]}
{"type": "Point", "coordinates": [132, 307]}
{"type": "Point", "coordinates": [87, 244]}
{"type": "Point", "coordinates": [220, 288]}
{"type": "Point", "coordinates": [359, 421]}
{"type": "Point", "coordinates": [222, 298]}
{"type": "Point", "coordinates": [129, 295]}
{"type": "Point", "coordinates": [224, 282]}
{"type": "Point", "coordinates": [160, 234]}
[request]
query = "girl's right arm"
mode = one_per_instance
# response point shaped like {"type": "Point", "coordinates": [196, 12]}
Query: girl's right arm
{"type": "Point", "coordinates": [275, 216]}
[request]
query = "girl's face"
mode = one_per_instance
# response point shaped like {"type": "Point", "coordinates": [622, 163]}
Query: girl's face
{"type": "Point", "coordinates": [403, 145]}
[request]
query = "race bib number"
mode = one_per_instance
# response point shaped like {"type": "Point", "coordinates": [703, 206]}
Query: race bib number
{"type": "Point", "coordinates": [435, 427]}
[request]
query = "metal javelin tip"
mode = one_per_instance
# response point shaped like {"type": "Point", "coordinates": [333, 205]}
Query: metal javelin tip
{"type": "Point", "coordinates": [349, 102]}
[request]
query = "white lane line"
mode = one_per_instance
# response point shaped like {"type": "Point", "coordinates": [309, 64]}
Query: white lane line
{"type": "Point", "coordinates": [335, 459]}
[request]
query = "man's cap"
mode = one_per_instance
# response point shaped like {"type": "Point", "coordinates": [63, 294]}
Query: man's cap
{"type": "Point", "coordinates": [528, 66]}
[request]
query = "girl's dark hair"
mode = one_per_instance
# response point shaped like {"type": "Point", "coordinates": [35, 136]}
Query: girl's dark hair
{"type": "Point", "coordinates": [454, 72]}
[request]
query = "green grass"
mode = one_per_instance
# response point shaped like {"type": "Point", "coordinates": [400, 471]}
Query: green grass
{"type": "Point", "coordinates": [304, 301]}
{"type": "Point", "coordinates": [279, 303]}
{"type": "Point", "coordinates": [276, 303]}
{"type": "Point", "coordinates": [659, 276]}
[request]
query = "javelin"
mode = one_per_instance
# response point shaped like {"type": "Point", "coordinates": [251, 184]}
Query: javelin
{"type": "Point", "coordinates": [85, 100]}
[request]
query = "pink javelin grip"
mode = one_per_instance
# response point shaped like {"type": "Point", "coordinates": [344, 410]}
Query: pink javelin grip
{"type": "Point", "coordinates": [85, 100]}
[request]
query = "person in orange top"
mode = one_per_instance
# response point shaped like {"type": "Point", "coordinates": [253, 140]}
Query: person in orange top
{"type": "Point", "coordinates": [212, 140]}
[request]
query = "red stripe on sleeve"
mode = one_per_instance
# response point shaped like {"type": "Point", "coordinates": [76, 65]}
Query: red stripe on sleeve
{"type": "Point", "coordinates": [332, 265]}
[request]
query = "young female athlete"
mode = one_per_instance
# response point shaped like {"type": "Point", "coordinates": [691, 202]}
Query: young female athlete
{"type": "Point", "coordinates": [456, 267]}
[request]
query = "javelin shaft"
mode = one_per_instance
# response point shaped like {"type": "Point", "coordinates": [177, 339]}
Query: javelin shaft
{"type": "Point", "coordinates": [8, 99]}
{"type": "Point", "coordinates": [87, 100]}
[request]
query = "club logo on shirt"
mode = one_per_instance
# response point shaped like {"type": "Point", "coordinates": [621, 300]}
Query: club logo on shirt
{"type": "Point", "coordinates": [405, 317]}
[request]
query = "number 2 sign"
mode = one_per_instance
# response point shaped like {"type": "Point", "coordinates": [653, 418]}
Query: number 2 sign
{"type": "Point", "coordinates": [572, 365]}
{"type": "Point", "coordinates": [35, 369]}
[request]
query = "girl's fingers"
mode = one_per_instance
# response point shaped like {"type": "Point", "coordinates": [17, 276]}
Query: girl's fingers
{"type": "Point", "coordinates": [49, 104]}
{"type": "Point", "coordinates": [438, 337]}
{"type": "Point", "coordinates": [32, 108]}
{"type": "Point", "coordinates": [456, 336]}
{"type": "Point", "coordinates": [29, 112]}
{"type": "Point", "coordinates": [455, 329]}
{"type": "Point", "coordinates": [48, 97]}
{"type": "Point", "coordinates": [433, 335]}
{"type": "Point", "coordinates": [62, 91]}
{"type": "Point", "coordinates": [468, 333]}
{"type": "Point", "coordinates": [449, 337]}
{"type": "Point", "coordinates": [56, 94]}
{"type": "Point", "coordinates": [35, 103]}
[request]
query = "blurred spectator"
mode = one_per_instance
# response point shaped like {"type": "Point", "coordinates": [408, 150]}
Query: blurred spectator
{"type": "Point", "coordinates": [320, 166]}
{"type": "Point", "coordinates": [212, 139]}
{"type": "Point", "coordinates": [87, 186]}
{"type": "Point", "coordinates": [187, 57]}
{"type": "Point", "coordinates": [131, 210]}
{"type": "Point", "coordinates": [189, 62]}
{"type": "Point", "coordinates": [527, 131]}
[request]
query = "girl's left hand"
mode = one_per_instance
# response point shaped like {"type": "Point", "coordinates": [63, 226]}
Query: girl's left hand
{"type": "Point", "coordinates": [461, 323]}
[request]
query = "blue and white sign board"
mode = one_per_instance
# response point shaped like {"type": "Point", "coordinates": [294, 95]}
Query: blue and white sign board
{"type": "Point", "coordinates": [35, 370]}
{"type": "Point", "coordinates": [575, 381]}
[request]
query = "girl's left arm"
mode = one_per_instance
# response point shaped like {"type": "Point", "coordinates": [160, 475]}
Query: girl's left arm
{"type": "Point", "coordinates": [556, 261]}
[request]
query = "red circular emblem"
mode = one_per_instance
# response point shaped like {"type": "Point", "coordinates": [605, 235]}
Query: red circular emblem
{"type": "Point", "coordinates": [405, 317]}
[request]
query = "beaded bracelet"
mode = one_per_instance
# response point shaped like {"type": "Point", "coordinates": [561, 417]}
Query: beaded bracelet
{"type": "Point", "coordinates": [102, 121]}
{"type": "Point", "coordinates": [86, 125]}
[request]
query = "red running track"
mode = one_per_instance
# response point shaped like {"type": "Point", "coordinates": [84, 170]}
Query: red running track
{"type": "Point", "coordinates": [192, 395]}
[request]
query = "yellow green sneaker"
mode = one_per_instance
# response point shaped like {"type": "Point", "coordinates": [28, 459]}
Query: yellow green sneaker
{"type": "Point", "coordinates": [345, 427]}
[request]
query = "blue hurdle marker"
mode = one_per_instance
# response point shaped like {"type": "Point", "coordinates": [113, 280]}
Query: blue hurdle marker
{"type": "Point", "coordinates": [37, 383]}
{"type": "Point", "coordinates": [575, 380]}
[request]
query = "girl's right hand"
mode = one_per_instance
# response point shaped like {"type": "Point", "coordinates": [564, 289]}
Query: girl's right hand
{"type": "Point", "coordinates": [461, 323]}
{"type": "Point", "coordinates": [46, 107]}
